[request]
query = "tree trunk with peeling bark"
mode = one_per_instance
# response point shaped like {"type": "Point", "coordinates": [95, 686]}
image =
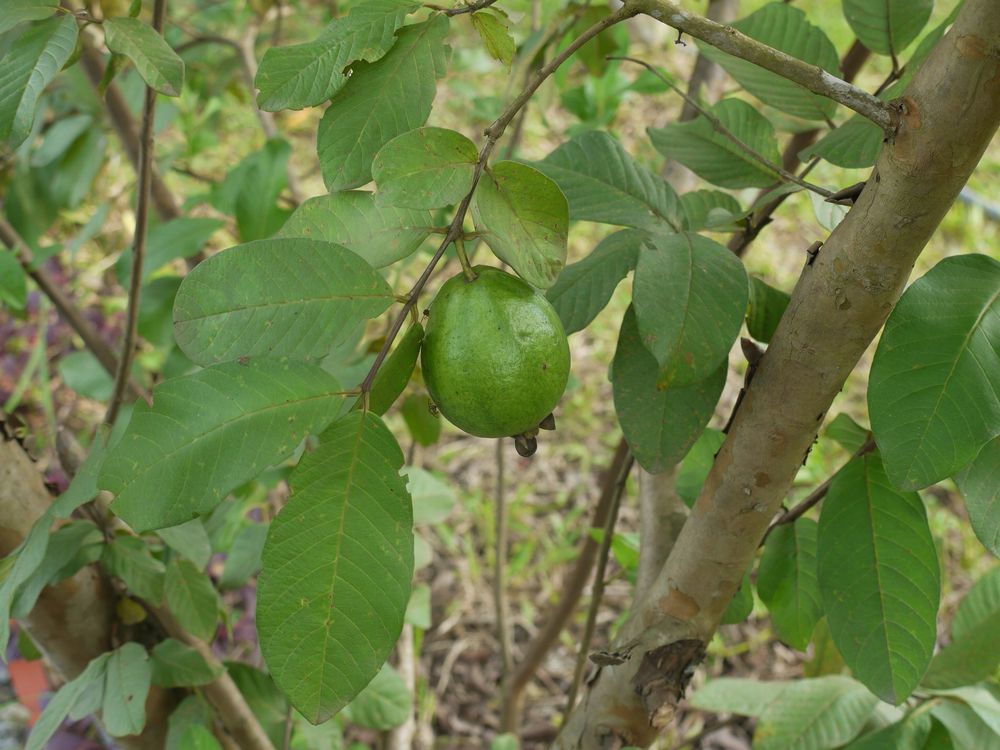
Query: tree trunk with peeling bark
{"type": "Point", "coordinates": [949, 113]}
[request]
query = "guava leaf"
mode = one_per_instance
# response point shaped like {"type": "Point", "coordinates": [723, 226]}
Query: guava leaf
{"type": "Point", "coordinates": [523, 216]}
{"type": "Point", "coordinates": [126, 685]}
{"type": "Point", "coordinates": [660, 425]}
{"type": "Point", "coordinates": [493, 30]}
{"type": "Point", "coordinates": [30, 64]}
{"type": "Point", "coordinates": [603, 183]}
{"type": "Point", "coordinates": [395, 372]}
{"type": "Point", "coordinates": [979, 483]}
{"type": "Point", "coordinates": [818, 713]}
{"type": "Point", "coordinates": [783, 27]}
{"type": "Point", "coordinates": [337, 567]}
{"type": "Point", "coordinates": [690, 296]}
{"type": "Point", "coordinates": [767, 305]}
{"type": "Point", "coordinates": [385, 702]}
{"type": "Point", "coordinates": [191, 598]}
{"type": "Point", "coordinates": [710, 209]}
{"type": "Point", "coordinates": [178, 665]}
{"type": "Point", "coordinates": [886, 27]}
{"type": "Point", "coordinates": [425, 168]}
{"type": "Point", "coordinates": [786, 581]}
{"type": "Point", "coordinates": [306, 75]}
{"type": "Point", "coordinates": [583, 289]}
{"type": "Point", "coordinates": [379, 233]}
{"type": "Point", "coordinates": [383, 99]}
{"type": "Point", "coordinates": [934, 389]}
{"type": "Point", "coordinates": [154, 59]}
{"type": "Point", "coordinates": [879, 579]}
{"type": "Point", "coordinates": [209, 432]}
{"type": "Point", "coordinates": [853, 145]}
{"type": "Point", "coordinates": [61, 704]}
{"type": "Point", "coordinates": [19, 11]}
{"type": "Point", "coordinates": [739, 695]}
{"type": "Point", "coordinates": [280, 297]}
{"type": "Point", "coordinates": [713, 156]}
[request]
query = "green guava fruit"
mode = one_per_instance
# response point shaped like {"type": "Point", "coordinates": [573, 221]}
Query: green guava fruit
{"type": "Point", "coordinates": [494, 357]}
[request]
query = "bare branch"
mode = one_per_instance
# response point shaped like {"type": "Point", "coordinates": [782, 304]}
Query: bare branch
{"type": "Point", "coordinates": [139, 242]}
{"type": "Point", "coordinates": [812, 77]}
{"type": "Point", "coordinates": [719, 127]}
{"type": "Point", "coordinates": [500, 602]}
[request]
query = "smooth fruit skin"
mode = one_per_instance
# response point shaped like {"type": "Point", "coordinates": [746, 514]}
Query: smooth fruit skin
{"type": "Point", "coordinates": [495, 357]}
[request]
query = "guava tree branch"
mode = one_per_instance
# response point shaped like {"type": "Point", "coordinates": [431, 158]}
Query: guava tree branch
{"type": "Point", "coordinates": [66, 307]}
{"type": "Point", "coordinates": [728, 39]}
{"type": "Point", "coordinates": [493, 134]}
{"type": "Point", "coordinates": [142, 191]}
{"type": "Point", "coordinates": [949, 113]}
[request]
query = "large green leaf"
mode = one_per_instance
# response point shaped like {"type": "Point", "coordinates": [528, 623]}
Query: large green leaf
{"type": "Point", "coordinates": [879, 579]}
{"type": "Point", "coordinates": [191, 598]}
{"type": "Point", "coordinates": [155, 61]}
{"type": "Point", "coordinates": [814, 715]}
{"type": "Point", "coordinates": [583, 289]}
{"type": "Point", "coordinates": [660, 425]}
{"type": "Point", "coordinates": [979, 483]}
{"type": "Point", "coordinates": [381, 234]}
{"type": "Point", "coordinates": [209, 432]}
{"type": "Point", "coordinates": [603, 183]}
{"type": "Point", "coordinates": [786, 581]}
{"type": "Point", "coordinates": [853, 145]}
{"type": "Point", "coordinates": [19, 11]}
{"type": "Point", "coordinates": [385, 703]}
{"type": "Point", "coordinates": [383, 99]}
{"type": "Point", "coordinates": [337, 568]}
{"type": "Point", "coordinates": [972, 654]}
{"type": "Point", "coordinates": [306, 75]}
{"type": "Point", "coordinates": [126, 684]}
{"type": "Point", "coordinates": [934, 390]}
{"type": "Point", "coordinates": [280, 297]}
{"type": "Point", "coordinates": [30, 64]}
{"type": "Point", "coordinates": [967, 730]}
{"type": "Point", "coordinates": [425, 168]}
{"type": "Point", "coordinates": [887, 26]}
{"type": "Point", "coordinates": [784, 27]}
{"type": "Point", "coordinates": [523, 216]}
{"type": "Point", "coordinates": [690, 296]}
{"type": "Point", "coordinates": [714, 157]}
{"type": "Point", "coordinates": [908, 734]}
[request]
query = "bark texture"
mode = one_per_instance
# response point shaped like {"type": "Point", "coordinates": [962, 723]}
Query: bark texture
{"type": "Point", "coordinates": [72, 621]}
{"type": "Point", "coordinates": [949, 113]}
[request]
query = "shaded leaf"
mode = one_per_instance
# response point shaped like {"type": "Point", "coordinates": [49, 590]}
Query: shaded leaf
{"type": "Point", "coordinates": [337, 567]}
{"type": "Point", "coordinates": [710, 209]}
{"type": "Point", "coordinates": [908, 734]}
{"type": "Point", "coordinates": [583, 289]}
{"type": "Point", "coordinates": [424, 425]}
{"type": "Point", "coordinates": [382, 100]}
{"type": "Point", "coordinates": [934, 390]}
{"type": "Point", "coordinates": [847, 432]}
{"type": "Point", "coordinates": [19, 11]}
{"type": "Point", "coordinates": [659, 425]}
{"type": "Point", "coordinates": [690, 296]}
{"type": "Point", "coordinates": [853, 145]}
{"type": "Point", "coordinates": [395, 372]}
{"type": "Point", "coordinates": [786, 581]}
{"type": "Point", "coordinates": [287, 296]}
{"type": "Point", "coordinates": [886, 27]}
{"type": "Point", "coordinates": [306, 75]}
{"type": "Point", "coordinates": [693, 470]}
{"type": "Point", "coordinates": [523, 216]}
{"type": "Point", "coordinates": [191, 598]}
{"type": "Point", "coordinates": [385, 703]}
{"type": "Point", "coordinates": [433, 498]}
{"type": "Point", "coordinates": [154, 59]}
{"type": "Point", "coordinates": [381, 234]}
{"type": "Point", "coordinates": [244, 557]}
{"type": "Point", "coordinates": [129, 559]}
{"type": "Point", "coordinates": [879, 579]}
{"type": "Point", "coordinates": [967, 730]}
{"type": "Point", "coordinates": [714, 157]}
{"type": "Point", "coordinates": [425, 168]}
{"type": "Point", "coordinates": [739, 695]}
{"type": "Point", "coordinates": [178, 665]}
{"type": "Point", "coordinates": [30, 64]}
{"type": "Point", "coordinates": [741, 605]}
{"type": "Point", "coordinates": [767, 305]}
{"type": "Point", "coordinates": [182, 456]}
{"type": "Point", "coordinates": [126, 685]}
{"type": "Point", "coordinates": [60, 705]}
{"type": "Point", "coordinates": [784, 27]}
{"type": "Point", "coordinates": [190, 540]}
{"type": "Point", "coordinates": [603, 183]}
{"type": "Point", "coordinates": [979, 483]}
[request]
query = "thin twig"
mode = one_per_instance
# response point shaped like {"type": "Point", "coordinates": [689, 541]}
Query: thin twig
{"type": "Point", "coordinates": [793, 514]}
{"type": "Point", "coordinates": [500, 564]}
{"type": "Point", "coordinates": [139, 242]}
{"type": "Point", "coordinates": [598, 593]}
{"type": "Point", "coordinates": [719, 127]}
{"type": "Point", "coordinates": [570, 591]}
{"type": "Point", "coordinates": [812, 77]}
{"type": "Point", "coordinates": [467, 8]}
{"type": "Point", "coordinates": [66, 307]}
{"type": "Point", "coordinates": [493, 134]}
